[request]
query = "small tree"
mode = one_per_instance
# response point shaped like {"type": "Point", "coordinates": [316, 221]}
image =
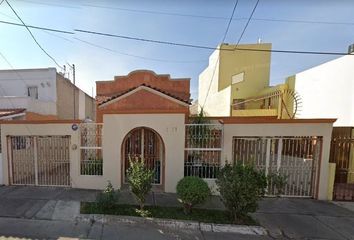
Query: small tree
{"type": "Point", "coordinates": [192, 191]}
{"type": "Point", "coordinates": [108, 197]}
{"type": "Point", "coordinates": [140, 179]}
{"type": "Point", "coordinates": [240, 187]}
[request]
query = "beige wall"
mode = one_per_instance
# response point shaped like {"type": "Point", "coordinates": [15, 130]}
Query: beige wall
{"type": "Point", "coordinates": [90, 107]}
{"type": "Point", "coordinates": [77, 181]}
{"type": "Point", "coordinates": [217, 77]}
{"type": "Point", "coordinates": [169, 126]}
{"type": "Point", "coordinates": [65, 101]}
{"type": "Point", "coordinates": [293, 129]}
{"type": "Point", "coordinates": [254, 64]}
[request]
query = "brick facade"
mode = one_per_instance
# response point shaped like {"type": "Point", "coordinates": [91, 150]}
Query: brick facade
{"type": "Point", "coordinates": [160, 94]}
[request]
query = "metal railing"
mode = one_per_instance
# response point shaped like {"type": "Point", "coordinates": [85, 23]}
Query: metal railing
{"type": "Point", "coordinates": [342, 154]}
{"type": "Point", "coordinates": [203, 148]}
{"type": "Point", "coordinates": [91, 149]}
{"type": "Point", "coordinates": [289, 163]}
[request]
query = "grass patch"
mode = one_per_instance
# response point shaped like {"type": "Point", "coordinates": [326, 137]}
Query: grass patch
{"type": "Point", "coordinates": [200, 215]}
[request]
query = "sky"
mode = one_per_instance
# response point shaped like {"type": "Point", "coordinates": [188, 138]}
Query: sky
{"type": "Point", "coordinates": [198, 22]}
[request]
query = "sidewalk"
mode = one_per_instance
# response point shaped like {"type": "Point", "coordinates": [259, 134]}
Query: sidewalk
{"type": "Point", "coordinates": [57, 208]}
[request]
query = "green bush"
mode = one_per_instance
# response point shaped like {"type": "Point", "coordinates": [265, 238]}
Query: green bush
{"type": "Point", "coordinates": [192, 191]}
{"type": "Point", "coordinates": [140, 179]}
{"type": "Point", "coordinates": [108, 197]}
{"type": "Point", "coordinates": [277, 182]}
{"type": "Point", "coordinates": [240, 187]}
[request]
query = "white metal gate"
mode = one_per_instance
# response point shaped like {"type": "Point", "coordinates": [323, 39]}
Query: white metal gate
{"type": "Point", "coordinates": [203, 147]}
{"type": "Point", "coordinates": [294, 159]}
{"type": "Point", "coordinates": [39, 160]}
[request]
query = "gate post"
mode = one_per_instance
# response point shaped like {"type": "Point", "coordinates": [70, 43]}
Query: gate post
{"type": "Point", "coordinates": [280, 149]}
{"type": "Point", "coordinates": [35, 155]}
{"type": "Point", "coordinates": [267, 156]}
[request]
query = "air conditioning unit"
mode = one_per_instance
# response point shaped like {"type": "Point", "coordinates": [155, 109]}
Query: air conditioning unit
{"type": "Point", "coordinates": [351, 48]}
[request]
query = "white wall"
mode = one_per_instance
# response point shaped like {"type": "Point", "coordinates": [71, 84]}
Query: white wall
{"type": "Point", "coordinates": [15, 82]}
{"type": "Point", "coordinates": [218, 103]}
{"type": "Point", "coordinates": [327, 91]}
{"type": "Point", "coordinates": [30, 104]}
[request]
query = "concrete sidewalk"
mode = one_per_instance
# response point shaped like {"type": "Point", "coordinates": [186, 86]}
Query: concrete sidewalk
{"type": "Point", "coordinates": [40, 208]}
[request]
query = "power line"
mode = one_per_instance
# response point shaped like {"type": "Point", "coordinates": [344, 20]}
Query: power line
{"type": "Point", "coordinates": [35, 27]}
{"type": "Point", "coordinates": [194, 15]}
{"type": "Point", "coordinates": [247, 23]}
{"type": "Point", "coordinates": [181, 44]}
{"type": "Point", "coordinates": [13, 10]}
{"type": "Point", "coordinates": [218, 59]}
{"type": "Point", "coordinates": [135, 56]}
{"type": "Point", "coordinates": [144, 39]}
{"type": "Point", "coordinates": [238, 41]}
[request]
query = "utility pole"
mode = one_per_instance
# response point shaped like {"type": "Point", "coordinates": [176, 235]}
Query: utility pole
{"type": "Point", "coordinates": [93, 107]}
{"type": "Point", "coordinates": [74, 90]}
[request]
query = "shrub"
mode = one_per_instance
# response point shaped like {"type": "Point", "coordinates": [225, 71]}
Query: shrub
{"type": "Point", "coordinates": [278, 181]}
{"type": "Point", "coordinates": [192, 191]}
{"type": "Point", "coordinates": [240, 187]}
{"type": "Point", "coordinates": [140, 179]}
{"type": "Point", "coordinates": [108, 197]}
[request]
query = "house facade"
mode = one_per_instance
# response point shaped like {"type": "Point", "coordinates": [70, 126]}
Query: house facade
{"type": "Point", "coordinates": [236, 83]}
{"type": "Point", "coordinates": [146, 115]}
{"type": "Point", "coordinates": [34, 94]}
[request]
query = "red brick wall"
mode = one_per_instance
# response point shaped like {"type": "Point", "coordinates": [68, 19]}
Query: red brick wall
{"type": "Point", "coordinates": [142, 101]}
{"type": "Point", "coordinates": [176, 87]}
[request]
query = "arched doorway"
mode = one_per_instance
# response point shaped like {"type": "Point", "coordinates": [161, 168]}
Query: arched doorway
{"type": "Point", "coordinates": [146, 143]}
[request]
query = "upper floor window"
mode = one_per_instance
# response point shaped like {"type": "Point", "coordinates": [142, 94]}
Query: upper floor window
{"type": "Point", "coordinates": [238, 78]}
{"type": "Point", "coordinates": [32, 92]}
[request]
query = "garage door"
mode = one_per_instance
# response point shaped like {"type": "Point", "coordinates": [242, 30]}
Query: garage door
{"type": "Point", "coordinates": [39, 160]}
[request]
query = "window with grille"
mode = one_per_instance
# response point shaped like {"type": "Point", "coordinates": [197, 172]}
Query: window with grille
{"type": "Point", "coordinates": [203, 150]}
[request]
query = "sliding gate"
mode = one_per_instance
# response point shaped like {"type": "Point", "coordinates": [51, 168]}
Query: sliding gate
{"type": "Point", "coordinates": [39, 160]}
{"type": "Point", "coordinates": [293, 160]}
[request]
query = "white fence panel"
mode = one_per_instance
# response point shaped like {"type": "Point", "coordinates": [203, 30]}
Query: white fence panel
{"type": "Point", "coordinates": [203, 150]}
{"type": "Point", "coordinates": [290, 163]}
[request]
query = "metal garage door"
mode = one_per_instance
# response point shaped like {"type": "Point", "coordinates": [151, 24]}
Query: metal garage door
{"type": "Point", "coordinates": [294, 158]}
{"type": "Point", "coordinates": [39, 160]}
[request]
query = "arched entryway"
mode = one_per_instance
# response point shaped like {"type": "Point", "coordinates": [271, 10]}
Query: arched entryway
{"type": "Point", "coordinates": [146, 143]}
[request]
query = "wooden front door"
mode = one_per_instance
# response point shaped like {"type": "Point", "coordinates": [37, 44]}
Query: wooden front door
{"type": "Point", "coordinates": [147, 144]}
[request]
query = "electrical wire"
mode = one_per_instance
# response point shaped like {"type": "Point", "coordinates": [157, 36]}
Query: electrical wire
{"type": "Point", "coordinates": [218, 59]}
{"type": "Point", "coordinates": [35, 40]}
{"type": "Point", "coordinates": [209, 47]}
{"type": "Point", "coordinates": [191, 15]}
{"type": "Point", "coordinates": [35, 27]}
{"type": "Point", "coordinates": [181, 44]}
{"type": "Point", "coordinates": [135, 56]}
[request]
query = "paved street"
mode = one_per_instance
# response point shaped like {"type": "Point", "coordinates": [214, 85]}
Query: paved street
{"type": "Point", "coordinates": [38, 212]}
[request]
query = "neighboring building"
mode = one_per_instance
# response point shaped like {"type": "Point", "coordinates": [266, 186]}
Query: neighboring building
{"type": "Point", "coordinates": [236, 83]}
{"type": "Point", "coordinates": [143, 91]}
{"type": "Point", "coordinates": [327, 91]}
{"type": "Point", "coordinates": [33, 94]}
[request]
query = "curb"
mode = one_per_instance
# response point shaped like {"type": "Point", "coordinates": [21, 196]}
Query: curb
{"type": "Point", "coordinates": [174, 224]}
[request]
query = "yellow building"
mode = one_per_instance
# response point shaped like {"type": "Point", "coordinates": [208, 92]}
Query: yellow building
{"type": "Point", "coordinates": [236, 83]}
